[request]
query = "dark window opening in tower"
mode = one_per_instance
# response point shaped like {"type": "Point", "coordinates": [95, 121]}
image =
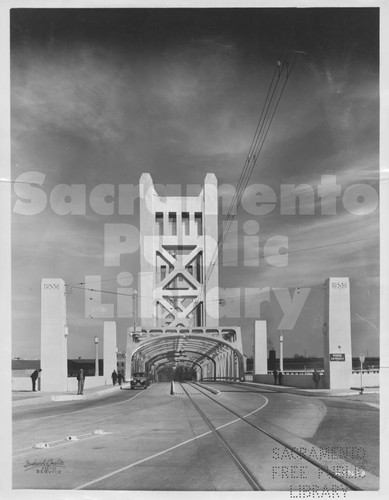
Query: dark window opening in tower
{"type": "Point", "coordinates": [159, 223]}
{"type": "Point", "coordinates": [199, 223]}
{"type": "Point", "coordinates": [173, 223]}
{"type": "Point", "coordinates": [185, 223]}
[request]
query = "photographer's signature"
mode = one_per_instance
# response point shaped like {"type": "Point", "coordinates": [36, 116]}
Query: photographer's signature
{"type": "Point", "coordinates": [46, 466]}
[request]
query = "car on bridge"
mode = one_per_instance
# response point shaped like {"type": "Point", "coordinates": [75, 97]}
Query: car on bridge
{"type": "Point", "coordinates": [139, 379]}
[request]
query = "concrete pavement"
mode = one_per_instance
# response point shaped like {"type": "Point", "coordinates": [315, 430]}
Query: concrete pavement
{"type": "Point", "coordinates": [153, 440]}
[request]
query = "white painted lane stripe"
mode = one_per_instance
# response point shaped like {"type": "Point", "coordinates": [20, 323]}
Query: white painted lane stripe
{"type": "Point", "coordinates": [78, 411]}
{"type": "Point", "coordinates": [106, 476]}
{"type": "Point", "coordinates": [101, 478]}
{"type": "Point", "coordinates": [244, 416]}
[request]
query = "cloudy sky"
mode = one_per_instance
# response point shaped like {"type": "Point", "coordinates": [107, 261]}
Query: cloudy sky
{"type": "Point", "coordinates": [101, 96]}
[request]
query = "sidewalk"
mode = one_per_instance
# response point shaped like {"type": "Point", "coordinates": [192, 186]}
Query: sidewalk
{"type": "Point", "coordinates": [25, 398]}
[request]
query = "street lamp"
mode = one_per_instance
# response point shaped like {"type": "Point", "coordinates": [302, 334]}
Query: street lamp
{"type": "Point", "coordinates": [362, 360]}
{"type": "Point", "coordinates": [134, 307]}
{"type": "Point", "coordinates": [281, 353]}
{"type": "Point", "coordinates": [97, 356]}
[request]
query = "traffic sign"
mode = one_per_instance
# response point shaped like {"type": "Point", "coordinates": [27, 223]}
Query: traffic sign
{"type": "Point", "coordinates": [337, 356]}
{"type": "Point", "coordinates": [362, 358]}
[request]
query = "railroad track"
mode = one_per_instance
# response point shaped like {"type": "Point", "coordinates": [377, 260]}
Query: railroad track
{"type": "Point", "coordinates": [246, 469]}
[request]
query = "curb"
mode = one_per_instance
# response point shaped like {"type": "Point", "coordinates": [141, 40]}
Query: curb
{"type": "Point", "coordinates": [306, 392]}
{"type": "Point", "coordinates": [64, 397]}
{"type": "Point", "coordinates": [83, 397]}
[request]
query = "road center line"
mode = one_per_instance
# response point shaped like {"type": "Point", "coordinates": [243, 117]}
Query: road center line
{"type": "Point", "coordinates": [244, 416]}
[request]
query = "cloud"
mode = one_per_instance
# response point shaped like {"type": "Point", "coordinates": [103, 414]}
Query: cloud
{"type": "Point", "coordinates": [106, 107]}
{"type": "Point", "coordinates": [324, 254]}
{"type": "Point", "coordinates": [78, 92]}
{"type": "Point", "coordinates": [45, 234]}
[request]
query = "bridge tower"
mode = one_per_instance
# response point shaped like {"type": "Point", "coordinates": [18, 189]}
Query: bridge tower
{"type": "Point", "coordinates": [178, 283]}
{"type": "Point", "coordinates": [178, 241]}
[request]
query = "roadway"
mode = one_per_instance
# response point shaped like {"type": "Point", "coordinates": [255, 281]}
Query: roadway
{"type": "Point", "coordinates": [151, 440]}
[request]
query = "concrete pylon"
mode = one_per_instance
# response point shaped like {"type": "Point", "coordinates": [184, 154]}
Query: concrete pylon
{"type": "Point", "coordinates": [337, 334]}
{"type": "Point", "coordinates": [53, 335]}
{"type": "Point", "coordinates": [260, 348]}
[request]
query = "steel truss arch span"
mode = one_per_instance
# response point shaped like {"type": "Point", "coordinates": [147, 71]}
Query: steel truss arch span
{"type": "Point", "coordinates": [179, 359]}
{"type": "Point", "coordinates": [227, 361]}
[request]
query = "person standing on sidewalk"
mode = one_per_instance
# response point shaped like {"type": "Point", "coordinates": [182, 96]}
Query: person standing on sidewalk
{"type": "Point", "coordinates": [275, 375]}
{"type": "Point", "coordinates": [34, 376]}
{"type": "Point", "coordinates": [81, 380]}
{"type": "Point", "coordinates": [280, 377]}
{"type": "Point", "coordinates": [114, 377]}
{"type": "Point", "coordinates": [316, 378]}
